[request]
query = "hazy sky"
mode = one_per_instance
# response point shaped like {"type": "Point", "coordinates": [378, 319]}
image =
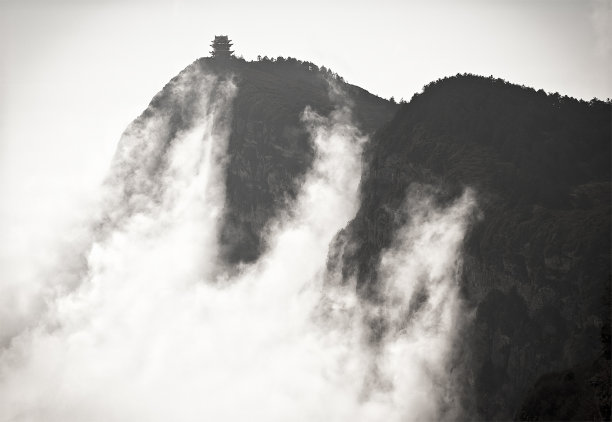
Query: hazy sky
{"type": "Point", "coordinates": [73, 74]}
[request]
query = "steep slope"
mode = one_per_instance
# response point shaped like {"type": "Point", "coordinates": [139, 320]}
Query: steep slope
{"type": "Point", "coordinates": [538, 261]}
{"type": "Point", "coordinates": [268, 149]}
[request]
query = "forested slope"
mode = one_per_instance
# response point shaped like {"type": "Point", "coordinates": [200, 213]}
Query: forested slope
{"type": "Point", "coordinates": [537, 263]}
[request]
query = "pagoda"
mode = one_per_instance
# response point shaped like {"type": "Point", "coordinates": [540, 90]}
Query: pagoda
{"type": "Point", "coordinates": [221, 47]}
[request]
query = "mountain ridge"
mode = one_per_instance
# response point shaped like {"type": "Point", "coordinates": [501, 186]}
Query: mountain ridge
{"type": "Point", "coordinates": [540, 166]}
{"type": "Point", "coordinates": [536, 264]}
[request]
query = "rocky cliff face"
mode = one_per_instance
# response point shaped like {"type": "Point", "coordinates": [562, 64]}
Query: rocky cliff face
{"type": "Point", "coordinates": [536, 261]}
{"type": "Point", "coordinates": [269, 150]}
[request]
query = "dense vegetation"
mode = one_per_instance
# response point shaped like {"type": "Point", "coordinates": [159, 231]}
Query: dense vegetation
{"type": "Point", "coordinates": [269, 150]}
{"type": "Point", "coordinates": [537, 264]}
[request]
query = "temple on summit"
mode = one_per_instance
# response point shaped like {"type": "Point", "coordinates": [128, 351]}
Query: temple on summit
{"type": "Point", "coordinates": [221, 47]}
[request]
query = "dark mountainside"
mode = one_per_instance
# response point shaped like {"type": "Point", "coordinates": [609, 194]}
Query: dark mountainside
{"type": "Point", "coordinates": [536, 264]}
{"type": "Point", "coordinates": [269, 149]}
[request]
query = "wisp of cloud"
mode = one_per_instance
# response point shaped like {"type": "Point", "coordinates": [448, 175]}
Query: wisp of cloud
{"type": "Point", "coordinates": [154, 329]}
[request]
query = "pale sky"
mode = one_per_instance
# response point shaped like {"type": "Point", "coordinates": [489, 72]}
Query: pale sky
{"type": "Point", "coordinates": [73, 74]}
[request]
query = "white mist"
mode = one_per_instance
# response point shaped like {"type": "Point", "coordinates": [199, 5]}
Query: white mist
{"type": "Point", "coordinates": [152, 331]}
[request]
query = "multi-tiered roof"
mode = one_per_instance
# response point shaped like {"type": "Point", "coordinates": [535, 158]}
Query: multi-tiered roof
{"type": "Point", "coordinates": [221, 47]}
